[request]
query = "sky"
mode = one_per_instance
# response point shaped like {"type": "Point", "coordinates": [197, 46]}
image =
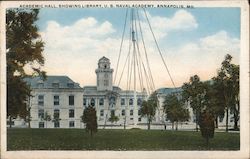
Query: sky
{"type": "Point", "coordinates": [192, 41]}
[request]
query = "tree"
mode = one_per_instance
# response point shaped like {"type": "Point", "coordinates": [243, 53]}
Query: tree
{"type": "Point", "coordinates": [113, 118]}
{"type": "Point", "coordinates": [193, 93]}
{"type": "Point", "coordinates": [207, 125]}
{"type": "Point", "coordinates": [213, 100]}
{"type": "Point", "coordinates": [90, 119]}
{"type": "Point", "coordinates": [47, 118]}
{"type": "Point", "coordinates": [174, 109]}
{"type": "Point", "coordinates": [23, 48]}
{"type": "Point", "coordinates": [228, 81]}
{"type": "Point", "coordinates": [148, 108]}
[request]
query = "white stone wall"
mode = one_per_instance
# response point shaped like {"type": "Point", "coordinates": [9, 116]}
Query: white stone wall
{"type": "Point", "coordinates": [63, 107]}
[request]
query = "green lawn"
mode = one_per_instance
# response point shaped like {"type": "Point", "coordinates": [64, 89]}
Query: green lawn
{"type": "Point", "coordinates": [78, 139]}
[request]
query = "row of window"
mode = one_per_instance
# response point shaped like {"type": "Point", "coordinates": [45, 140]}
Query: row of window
{"type": "Point", "coordinates": [56, 100]}
{"type": "Point", "coordinates": [112, 101]}
{"type": "Point", "coordinates": [55, 85]}
{"type": "Point", "coordinates": [57, 124]}
{"type": "Point", "coordinates": [41, 113]}
{"type": "Point", "coordinates": [112, 112]}
{"type": "Point", "coordinates": [71, 124]}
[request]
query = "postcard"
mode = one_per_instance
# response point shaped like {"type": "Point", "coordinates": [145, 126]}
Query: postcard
{"type": "Point", "coordinates": [124, 79]}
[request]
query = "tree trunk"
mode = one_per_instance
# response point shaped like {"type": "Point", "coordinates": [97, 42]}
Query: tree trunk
{"type": "Point", "coordinates": [10, 120]}
{"type": "Point", "coordinates": [29, 122]}
{"type": "Point", "coordinates": [148, 124]}
{"type": "Point", "coordinates": [196, 122]}
{"type": "Point", "coordinates": [172, 125]}
{"type": "Point", "coordinates": [226, 119]}
{"type": "Point", "coordinates": [216, 122]}
{"type": "Point", "coordinates": [124, 126]}
{"type": "Point", "coordinates": [176, 125]}
{"type": "Point", "coordinates": [236, 118]}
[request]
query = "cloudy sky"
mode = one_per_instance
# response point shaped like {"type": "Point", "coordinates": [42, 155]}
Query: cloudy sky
{"type": "Point", "coordinates": [192, 41]}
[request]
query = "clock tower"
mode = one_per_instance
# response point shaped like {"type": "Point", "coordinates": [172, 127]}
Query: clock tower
{"type": "Point", "coordinates": [104, 75]}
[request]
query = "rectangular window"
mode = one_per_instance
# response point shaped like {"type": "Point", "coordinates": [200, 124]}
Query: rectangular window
{"type": "Point", "coordinates": [55, 85]}
{"type": "Point", "coordinates": [70, 85]}
{"type": "Point", "coordinates": [84, 101]}
{"type": "Point", "coordinates": [56, 100]}
{"type": "Point", "coordinates": [112, 112]}
{"type": "Point", "coordinates": [130, 101]}
{"type": "Point", "coordinates": [41, 100]}
{"type": "Point", "coordinates": [139, 112]}
{"type": "Point", "coordinates": [123, 112]}
{"type": "Point", "coordinates": [122, 101]}
{"type": "Point", "coordinates": [41, 113]}
{"type": "Point", "coordinates": [56, 113]}
{"type": "Point", "coordinates": [57, 124]}
{"type": "Point", "coordinates": [41, 124]}
{"type": "Point", "coordinates": [139, 119]}
{"type": "Point", "coordinates": [131, 112]}
{"type": "Point", "coordinates": [106, 83]}
{"type": "Point", "coordinates": [101, 113]}
{"type": "Point", "coordinates": [71, 124]}
{"type": "Point", "coordinates": [101, 102]}
{"type": "Point", "coordinates": [71, 100]}
{"type": "Point", "coordinates": [71, 113]}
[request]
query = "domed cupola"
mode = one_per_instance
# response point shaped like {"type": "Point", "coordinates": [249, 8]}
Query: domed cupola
{"type": "Point", "coordinates": [104, 75]}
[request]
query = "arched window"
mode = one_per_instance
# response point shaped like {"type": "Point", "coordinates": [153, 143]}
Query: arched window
{"type": "Point", "coordinates": [112, 101]}
{"type": "Point", "coordinates": [92, 102]}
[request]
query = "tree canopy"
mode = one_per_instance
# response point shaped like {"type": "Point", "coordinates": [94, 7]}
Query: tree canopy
{"type": "Point", "coordinates": [148, 108]}
{"type": "Point", "coordinates": [193, 92]}
{"type": "Point", "coordinates": [24, 49]}
{"type": "Point", "coordinates": [90, 119]}
{"type": "Point", "coordinates": [175, 110]}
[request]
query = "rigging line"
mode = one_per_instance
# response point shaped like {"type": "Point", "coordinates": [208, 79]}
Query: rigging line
{"type": "Point", "coordinates": [124, 65]}
{"type": "Point", "coordinates": [139, 74]}
{"type": "Point", "coordinates": [138, 64]}
{"type": "Point", "coordinates": [145, 52]}
{"type": "Point", "coordinates": [129, 55]}
{"type": "Point", "coordinates": [159, 48]}
{"type": "Point", "coordinates": [149, 87]}
{"type": "Point", "coordinates": [124, 29]}
{"type": "Point", "coordinates": [131, 69]}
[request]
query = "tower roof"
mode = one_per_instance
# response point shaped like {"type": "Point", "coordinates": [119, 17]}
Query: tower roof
{"type": "Point", "coordinates": [103, 59]}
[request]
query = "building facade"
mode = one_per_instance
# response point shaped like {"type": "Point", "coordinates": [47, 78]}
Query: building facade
{"type": "Point", "coordinates": [64, 101]}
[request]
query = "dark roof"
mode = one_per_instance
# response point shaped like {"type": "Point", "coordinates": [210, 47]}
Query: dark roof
{"type": "Point", "coordinates": [51, 82]}
{"type": "Point", "coordinates": [168, 90]}
{"type": "Point", "coordinates": [103, 59]}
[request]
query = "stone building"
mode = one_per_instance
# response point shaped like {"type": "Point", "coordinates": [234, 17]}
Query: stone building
{"type": "Point", "coordinates": [59, 96]}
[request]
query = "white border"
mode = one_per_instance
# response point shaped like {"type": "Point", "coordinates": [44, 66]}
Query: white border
{"type": "Point", "coordinates": [244, 93]}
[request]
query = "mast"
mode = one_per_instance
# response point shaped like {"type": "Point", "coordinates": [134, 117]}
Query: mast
{"type": "Point", "coordinates": [134, 56]}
